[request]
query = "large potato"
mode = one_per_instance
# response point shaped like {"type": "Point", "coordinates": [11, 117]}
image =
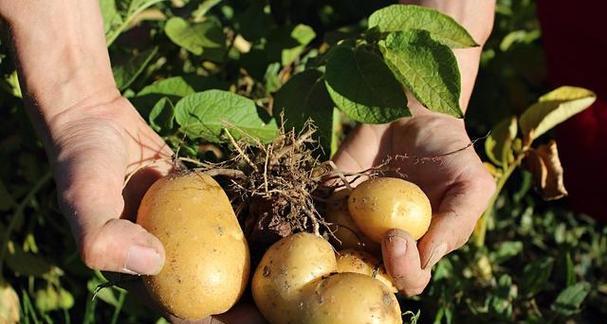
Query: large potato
{"type": "Point", "coordinates": [344, 228]}
{"type": "Point", "coordinates": [285, 269]}
{"type": "Point", "coordinates": [364, 263]}
{"type": "Point", "coordinates": [207, 258]}
{"type": "Point", "coordinates": [380, 204]}
{"type": "Point", "coordinates": [348, 298]}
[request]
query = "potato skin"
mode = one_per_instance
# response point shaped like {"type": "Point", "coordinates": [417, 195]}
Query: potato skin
{"type": "Point", "coordinates": [207, 257]}
{"type": "Point", "coordinates": [364, 263]}
{"type": "Point", "coordinates": [285, 269]}
{"type": "Point", "coordinates": [348, 298]}
{"type": "Point", "coordinates": [380, 204]}
{"type": "Point", "coordinates": [345, 230]}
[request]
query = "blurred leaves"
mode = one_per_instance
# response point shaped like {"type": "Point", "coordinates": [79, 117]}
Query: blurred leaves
{"type": "Point", "coordinates": [569, 300]}
{"type": "Point", "coordinates": [206, 37]}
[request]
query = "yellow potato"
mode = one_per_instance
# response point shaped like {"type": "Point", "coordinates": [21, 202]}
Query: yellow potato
{"type": "Point", "coordinates": [380, 204]}
{"type": "Point", "coordinates": [285, 269]}
{"type": "Point", "coordinates": [364, 263]}
{"type": "Point", "coordinates": [348, 298]}
{"type": "Point", "coordinates": [345, 230]}
{"type": "Point", "coordinates": [207, 257]}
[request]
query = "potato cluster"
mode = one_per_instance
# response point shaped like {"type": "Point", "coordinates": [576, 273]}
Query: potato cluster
{"type": "Point", "coordinates": [300, 278]}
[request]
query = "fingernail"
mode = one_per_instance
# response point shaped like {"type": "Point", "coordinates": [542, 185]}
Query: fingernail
{"type": "Point", "coordinates": [397, 245]}
{"type": "Point", "coordinates": [141, 260]}
{"type": "Point", "coordinates": [437, 253]}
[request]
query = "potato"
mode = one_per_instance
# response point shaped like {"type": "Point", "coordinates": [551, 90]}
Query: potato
{"type": "Point", "coordinates": [295, 282]}
{"type": "Point", "coordinates": [207, 257]}
{"type": "Point", "coordinates": [285, 269]}
{"type": "Point", "coordinates": [380, 204]}
{"type": "Point", "coordinates": [345, 230]}
{"type": "Point", "coordinates": [348, 298]}
{"type": "Point", "coordinates": [364, 263]}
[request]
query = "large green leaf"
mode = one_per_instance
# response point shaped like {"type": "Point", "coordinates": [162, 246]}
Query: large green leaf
{"type": "Point", "coordinates": [554, 108]}
{"type": "Point", "coordinates": [305, 97]}
{"type": "Point", "coordinates": [427, 68]}
{"type": "Point", "coordinates": [207, 114]}
{"type": "Point", "coordinates": [196, 37]}
{"type": "Point", "coordinates": [126, 73]}
{"type": "Point", "coordinates": [498, 145]}
{"type": "Point", "coordinates": [407, 17]}
{"type": "Point", "coordinates": [362, 86]}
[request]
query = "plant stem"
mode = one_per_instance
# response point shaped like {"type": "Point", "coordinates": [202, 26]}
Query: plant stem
{"type": "Point", "coordinates": [18, 215]}
{"type": "Point", "coordinates": [481, 226]}
{"type": "Point", "coordinates": [118, 307]}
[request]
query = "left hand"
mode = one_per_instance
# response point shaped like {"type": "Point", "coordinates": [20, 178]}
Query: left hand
{"type": "Point", "coordinates": [454, 179]}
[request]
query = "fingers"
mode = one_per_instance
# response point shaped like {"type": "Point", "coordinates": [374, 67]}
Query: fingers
{"type": "Point", "coordinates": [454, 222]}
{"type": "Point", "coordinates": [402, 262]}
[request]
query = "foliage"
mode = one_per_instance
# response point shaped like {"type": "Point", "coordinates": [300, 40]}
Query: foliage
{"type": "Point", "coordinates": [176, 59]}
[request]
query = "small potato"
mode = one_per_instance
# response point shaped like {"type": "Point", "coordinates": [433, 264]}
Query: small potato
{"type": "Point", "coordinates": [207, 257]}
{"type": "Point", "coordinates": [380, 204]}
{"type": "Point", "coordinates": [345, 230]}
{"type": "Point", "coordinates": [285, 269]}
{"type": "Point", "coordinates": [348, 298]}
{"type": "Point", "coordinates": [364, 263]}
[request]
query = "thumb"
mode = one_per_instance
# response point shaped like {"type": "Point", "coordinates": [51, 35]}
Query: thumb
{"type": "Point", "coordinates": [90, 186]}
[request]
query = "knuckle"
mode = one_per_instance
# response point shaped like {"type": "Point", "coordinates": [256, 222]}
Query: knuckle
{"type": "Point", "coordinates": [91, 251]}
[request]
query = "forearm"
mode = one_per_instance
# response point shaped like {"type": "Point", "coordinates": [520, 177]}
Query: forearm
{"type": "Point", "coordinates": [61, 55]}
{"type": "Point", "coordinates": [477, 17]}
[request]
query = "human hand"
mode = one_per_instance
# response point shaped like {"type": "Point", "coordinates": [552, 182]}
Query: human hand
{"type": "Point", "coordinates": [435, 154]}
{"type": "Point", "coordinates": [93, 147]}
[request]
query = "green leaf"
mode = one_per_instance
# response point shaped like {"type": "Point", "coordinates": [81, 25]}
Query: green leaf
{"type": "Point", "coordinates": [498, 145]}
{"type": "Point", "coordinates": [128, 9]}
{"type": "Point", "coordinates": [108, 295]}
{"type": "Point", "coordinates": [506, 250]}
{"type": "Point", "coordinates": [536, 275]}
{"type": "Point", "coordinates": [305, 97]}
{"type": "Point", "coordinates": [162, 115]}
{"type": "Point", "coordinates": [287, 43]}
{"type": "Point", "coordinates": [174, 89]}
{"type": "Point", "coordinates": [27, 264]}
{"type": "Point", "coordinates": [569, 300]}
{"type": "Point", "coordinates": [554, 108]}
{"type": "Point", "coordinates": [111, 16]}
{"type": "Point", "coordinates": [363, 87]}
{"type": "Point", "coordinates": [207, 114]}
{"type": "Point", "coordinates": [196, 38]}
{"type": "Point", "coordinates": [441, 27]}
{"type": "Point", "coordinates": [126, 73]}
{"type": "Point", "coordinates": [428, 69]}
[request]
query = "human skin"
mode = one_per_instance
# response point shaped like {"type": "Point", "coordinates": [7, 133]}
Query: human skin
{"type": "Point", "coordinates": [95, 139]}
{"type": "Point", "coordinates": [438, 158]}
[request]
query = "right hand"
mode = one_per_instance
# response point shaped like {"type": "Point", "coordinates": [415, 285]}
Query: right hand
{"type": "Point", "coordinates": [92, 149]}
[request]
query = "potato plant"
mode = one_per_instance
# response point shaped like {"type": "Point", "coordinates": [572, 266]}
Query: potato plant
{"type": "Point", "coordinates": [214, 77]}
